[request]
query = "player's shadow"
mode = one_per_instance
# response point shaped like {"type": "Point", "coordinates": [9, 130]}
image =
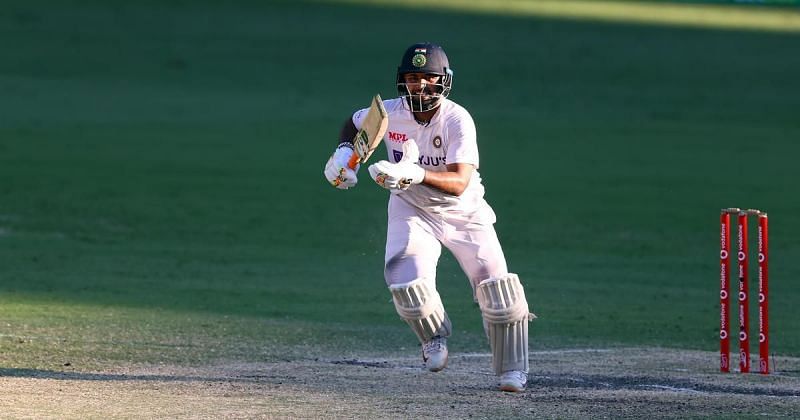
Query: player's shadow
{"type": "Point", "coordinates": [84, 376]}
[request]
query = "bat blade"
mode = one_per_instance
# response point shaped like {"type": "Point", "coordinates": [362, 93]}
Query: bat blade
{"type": "Point", "coordinates": [371, 134]}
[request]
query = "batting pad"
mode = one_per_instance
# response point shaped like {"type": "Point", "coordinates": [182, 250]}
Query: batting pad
{"type": "Point", "coordinates": [418, 303]}
{"type": "Point", "coordinates": [506, 316]}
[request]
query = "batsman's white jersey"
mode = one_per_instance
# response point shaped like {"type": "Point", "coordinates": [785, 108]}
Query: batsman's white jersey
{"type": "Point", "coordinates": [422, 218]}
{"type": "Point", "coordinates": [449, 138]}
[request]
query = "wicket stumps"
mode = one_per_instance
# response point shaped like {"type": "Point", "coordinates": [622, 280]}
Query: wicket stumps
{"type": "Point", "coordinates": [744, 287]}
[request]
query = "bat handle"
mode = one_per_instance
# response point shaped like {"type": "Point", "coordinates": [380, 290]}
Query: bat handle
{"type": "Point", "coordinates": [353, 162]}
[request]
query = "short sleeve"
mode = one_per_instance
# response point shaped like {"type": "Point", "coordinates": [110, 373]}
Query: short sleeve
{"type": "Point", "coordinates": [461, 138]}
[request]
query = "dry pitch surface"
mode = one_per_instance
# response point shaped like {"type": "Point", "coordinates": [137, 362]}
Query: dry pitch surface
{"type": "Point", "coordinates": [614, 383]}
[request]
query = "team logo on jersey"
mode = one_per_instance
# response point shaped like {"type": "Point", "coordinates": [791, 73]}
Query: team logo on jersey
{"type": "Point", "coordinates": [437, 142]}
{"type": "Point", "coordinates": [419, 59]}
{"type": "Point", "coordinates": [398, 155]}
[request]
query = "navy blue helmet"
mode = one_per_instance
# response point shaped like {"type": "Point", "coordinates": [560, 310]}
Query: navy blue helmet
{"type": "Point", "coordinates": [429, 59]}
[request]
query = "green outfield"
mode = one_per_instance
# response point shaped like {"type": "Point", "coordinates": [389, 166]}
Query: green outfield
{"type": "Point", "coordinates": [162, 197]}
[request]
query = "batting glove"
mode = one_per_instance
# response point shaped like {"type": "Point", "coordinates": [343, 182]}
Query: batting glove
{"type": "Point", "coordinates": [402, 174]}
{"type": "Point", "coordinates": [336, 170]}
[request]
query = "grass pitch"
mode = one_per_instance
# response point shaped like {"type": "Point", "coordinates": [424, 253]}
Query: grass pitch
{"type": "Point", "coordinates": [162, 197]}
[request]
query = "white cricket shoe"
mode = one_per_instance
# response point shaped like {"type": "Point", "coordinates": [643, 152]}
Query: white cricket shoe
{"type": "Point", "coordinates": [513, 381]}
{"type": "Point", "coordinates": [434, 353]}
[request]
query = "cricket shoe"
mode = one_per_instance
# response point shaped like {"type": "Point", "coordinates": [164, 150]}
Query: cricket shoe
{"type": "Point", "coordinates": [434, 353]}
{"type": "Point", "coordinates": [513, 381]}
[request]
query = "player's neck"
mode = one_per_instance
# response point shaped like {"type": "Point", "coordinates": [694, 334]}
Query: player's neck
{"type": "Point", "coordinates": [425, 117]}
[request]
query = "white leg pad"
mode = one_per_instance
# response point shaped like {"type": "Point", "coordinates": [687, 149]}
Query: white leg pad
{"type": "Point", "coordinates": [418, 303]}
{"type": "Point", "coordinates": [506, 316]}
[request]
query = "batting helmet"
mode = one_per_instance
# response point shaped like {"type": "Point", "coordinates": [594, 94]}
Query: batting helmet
{"type": "Point", "coordinates": [425, 58]}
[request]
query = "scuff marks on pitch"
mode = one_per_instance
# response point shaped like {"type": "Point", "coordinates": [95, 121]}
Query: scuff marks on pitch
{"type": "Point", "coordinates": [355, 362]}
{"type": "Point", "coordinates": [648, 383]}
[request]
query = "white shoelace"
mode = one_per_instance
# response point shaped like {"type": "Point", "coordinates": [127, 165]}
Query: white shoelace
{"type": "Point", "coordinates": [517, 375]}
{"type": "Point", "coordinates": [434, 346]}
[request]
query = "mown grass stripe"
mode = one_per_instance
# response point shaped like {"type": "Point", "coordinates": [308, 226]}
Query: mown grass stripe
{"type": "Point", "coordinates": [692, 15]}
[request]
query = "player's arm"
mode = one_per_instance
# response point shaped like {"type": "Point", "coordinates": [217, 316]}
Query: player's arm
{"type": "Point", "coordinates": [453, 181]}
{"type": "Point", "coordinates": [407, 172]}
{"type": "Point", "coordinates": [348, 131]}
{"type": "Point", "coordinates": [462, 155]}
{"type": "Point", "coordinates": [357, 145]}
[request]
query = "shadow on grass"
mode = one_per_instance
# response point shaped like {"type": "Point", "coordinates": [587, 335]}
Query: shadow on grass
{"type": "Point", "coordinates": [157, 189]}
{"type": "Point", "coordinates": [110, 377]}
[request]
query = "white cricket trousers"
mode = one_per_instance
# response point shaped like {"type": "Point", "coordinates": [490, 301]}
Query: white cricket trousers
{"type": "Point", "coordinates": [414, 240]}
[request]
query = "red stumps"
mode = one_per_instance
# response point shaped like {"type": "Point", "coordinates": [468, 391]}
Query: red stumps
{"type": "Point", "coordinates": [724, 298]}
{"type": "Point", "coordinates": [744, 313]}
{"type": "Point", "coordinates": [763, 294]}
{"type": "Point", "coordinates": [742, 257]}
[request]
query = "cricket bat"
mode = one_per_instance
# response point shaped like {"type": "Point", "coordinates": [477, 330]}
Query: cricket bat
{"type": "Point", "coordinates": [370, 135]}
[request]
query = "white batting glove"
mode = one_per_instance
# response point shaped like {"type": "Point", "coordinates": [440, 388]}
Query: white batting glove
{"type": "Point", "coordinates": [336, 170]}
{"type": "Point", "coordinates": [400, 175]}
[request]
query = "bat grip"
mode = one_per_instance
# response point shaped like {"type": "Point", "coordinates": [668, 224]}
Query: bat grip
{"type": "Point", "coordinates": [353, 162]}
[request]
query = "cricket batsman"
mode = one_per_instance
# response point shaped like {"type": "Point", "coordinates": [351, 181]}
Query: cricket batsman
{"type": "Point", "coordinates": [437, 198]}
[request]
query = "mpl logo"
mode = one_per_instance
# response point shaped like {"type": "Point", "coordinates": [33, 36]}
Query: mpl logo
{"type": "Point", "coordinates": [397, 137]}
